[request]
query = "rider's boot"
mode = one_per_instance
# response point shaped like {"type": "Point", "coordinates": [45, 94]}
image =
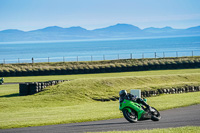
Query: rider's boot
{"type": "Point", "coordinates": [150, 109]}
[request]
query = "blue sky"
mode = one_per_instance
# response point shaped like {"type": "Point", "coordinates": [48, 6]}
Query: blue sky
{"type": "Point", "coordinates": [91, 14]}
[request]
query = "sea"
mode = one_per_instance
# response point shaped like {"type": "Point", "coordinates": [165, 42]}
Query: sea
{"type": "Point", "coordinates": [94, 50]}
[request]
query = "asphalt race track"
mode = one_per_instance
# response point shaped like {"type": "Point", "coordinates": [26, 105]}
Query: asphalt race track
{"type": "Point", "coordinates": [186, 116]}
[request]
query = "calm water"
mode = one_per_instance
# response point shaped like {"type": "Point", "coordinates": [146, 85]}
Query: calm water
{"type": "Point", "coordinates": [98, 50]}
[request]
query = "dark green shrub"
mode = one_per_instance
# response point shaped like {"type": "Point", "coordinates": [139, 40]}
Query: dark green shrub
{"type": "Point", "coordinates": [6, 72]}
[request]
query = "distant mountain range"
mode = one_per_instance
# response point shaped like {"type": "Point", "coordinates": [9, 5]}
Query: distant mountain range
{"type": "Point", "coordinates": [77, 33]}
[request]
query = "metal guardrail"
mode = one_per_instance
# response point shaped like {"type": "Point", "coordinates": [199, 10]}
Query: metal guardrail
{"type": "Point", "coordinates": [104, 57]}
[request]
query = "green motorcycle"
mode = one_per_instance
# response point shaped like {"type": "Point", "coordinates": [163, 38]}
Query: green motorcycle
{"type": "Point", "coordinates": [134, 111]}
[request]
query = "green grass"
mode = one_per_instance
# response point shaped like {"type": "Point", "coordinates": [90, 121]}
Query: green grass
{"type": "Point", "coordinates": [72, 101]}
{"type": "Point", "coordinates": [48, 108]}
{"type": "Point", "coordinates": [9, 90]}
{"type": "Point", "coordinates": [102, 75]}
{"type": "Point", "coordinates": [187, 129]}
{"type": "Point", "coordinates": [106, 88]}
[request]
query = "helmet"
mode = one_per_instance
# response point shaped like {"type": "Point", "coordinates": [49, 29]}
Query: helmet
{"type": "Point", "coordinates": [122, 93]}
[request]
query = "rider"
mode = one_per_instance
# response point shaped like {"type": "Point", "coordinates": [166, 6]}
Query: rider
{"type": "Point", "coordinates": [124, 95]}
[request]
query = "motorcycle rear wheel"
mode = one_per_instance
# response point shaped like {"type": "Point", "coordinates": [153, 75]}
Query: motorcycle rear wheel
{"type": "Point", "coordinates": [155, 115]}
{"type": "Point", "coordinates": [130, 116]}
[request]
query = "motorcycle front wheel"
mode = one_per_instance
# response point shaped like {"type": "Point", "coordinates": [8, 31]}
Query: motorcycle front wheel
{"type": "Point", "coordinates": [155, 115]}
{"type": "Point", "coordinates": [130, 116]}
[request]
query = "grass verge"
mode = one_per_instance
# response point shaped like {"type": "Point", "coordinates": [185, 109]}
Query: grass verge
{"type": "Point", "coordinates": [72, 101]}
{"type": "Point", "coordinates": [187, 129]}
{"type": "Point", "coordinates": [9, 90]}
{"type": "Point", "coordinates": [38, 110]}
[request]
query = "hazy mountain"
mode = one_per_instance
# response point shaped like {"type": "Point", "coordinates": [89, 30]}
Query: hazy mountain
{"type": "Point", "coordinates": [119, 28]}
{"type": "Point", "coordinates": [56, 29]}
{"type": "Point", "coordinates": [193, 29]}
{"type": "Point", "coordinates": [166, 29]}
{"type": "Point", "coordinates": [115, 31]}
{"type": "Point", "coordinates": [11, 31]}
{"type": "Point", "coordinates": [50, 29]}
{"type": "Point", "coordinates": [12, 35]}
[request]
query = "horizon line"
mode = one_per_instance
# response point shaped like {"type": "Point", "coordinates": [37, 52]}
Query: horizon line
{"type": "Point", "coordinates": [96, 28]}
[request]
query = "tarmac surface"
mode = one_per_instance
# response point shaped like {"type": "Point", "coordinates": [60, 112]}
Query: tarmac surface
{"type": "Point", "coordinates": [185, 116]}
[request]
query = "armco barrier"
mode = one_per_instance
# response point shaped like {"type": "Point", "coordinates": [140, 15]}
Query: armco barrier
{"type": "Point", "coordinates": [30, 88]}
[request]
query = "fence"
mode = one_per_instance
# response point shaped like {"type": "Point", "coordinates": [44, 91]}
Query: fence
{"type": "Point", "coordinates": [104, 57]}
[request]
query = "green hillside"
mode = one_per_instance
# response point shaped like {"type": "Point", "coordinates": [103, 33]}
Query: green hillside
{"type": "Point", "coordinates": [74, 101]}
